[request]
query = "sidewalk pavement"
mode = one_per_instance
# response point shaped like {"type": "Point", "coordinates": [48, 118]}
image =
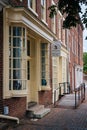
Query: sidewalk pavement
{"type": "Point", "coordinates": [58, 119]}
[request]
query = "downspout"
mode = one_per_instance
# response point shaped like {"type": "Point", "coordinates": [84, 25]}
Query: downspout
{"type": "Point", "coordinates": [9, 117]}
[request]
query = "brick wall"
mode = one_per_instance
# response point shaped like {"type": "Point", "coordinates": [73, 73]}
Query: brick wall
{"type": "Point", "coordinates": [1, 60]}
{"type": "Point", "coordinates": [17, 106]}
{"type": "Point", "coordinates": [45, 97]}
{"type": "Point", "coordinates": [18, 3]}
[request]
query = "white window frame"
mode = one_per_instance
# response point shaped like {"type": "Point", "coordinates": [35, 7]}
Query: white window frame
{"type": "Point", "coordinates": [45, 65]}
{"type": "Point", "coordinates": [43, 10]}
{"type": "Point", "coordinates": [53, 21]}
{"type": "Point", "coordinates": [22, 58]}
{"type": "Point", "coordinates": [33, 8]}
{"type": "Point", "coordinates": [53, 24]}
{"type": "Point", "coordinates": [55, 72]}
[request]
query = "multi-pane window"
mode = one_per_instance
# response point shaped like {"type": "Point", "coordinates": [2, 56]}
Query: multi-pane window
{"type": "Point", "coordinates": [60, 22]}
{"type": "Point", "coordinates": [28, 70]}
{"type": "Point", "coordinates": [32, 4]}
{"type": "Point", "coordinates": [17, 60]}
{"type": "Point", "coordinates": [28, 47]}
{"type": "Point", "coordinates": [43, 10]}
{"type": "Point", "coordinates": [53, 24]}
{"type": "Point", "coordinates": [53, 21]}
{"type": "Point", "coordinates": [55, 72]}
{"type": "Point", "coordinates": [44, 64]}
{"type": "Point", "coordinates": [28, 62]}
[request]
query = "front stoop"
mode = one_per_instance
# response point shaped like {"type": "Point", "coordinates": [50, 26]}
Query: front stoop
{"type": "Point", "coordinates": [37, 111]}
{"type": "Point", "coordinates": [41, 113]}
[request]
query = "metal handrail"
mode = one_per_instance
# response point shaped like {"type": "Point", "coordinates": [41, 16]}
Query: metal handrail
{"type": "Point", "coordinates": [79, 94]}
{"type": "Point", "coordinates": [65, 86]}
{"type": "Point", "coordinates": [55, 96]}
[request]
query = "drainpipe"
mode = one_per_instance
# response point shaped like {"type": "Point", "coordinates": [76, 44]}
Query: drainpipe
{"type": "Point", "coordinates": [9, 117]}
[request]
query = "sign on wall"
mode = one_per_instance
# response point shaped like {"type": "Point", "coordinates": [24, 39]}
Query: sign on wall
{"type": "Point", "coordinates": [56, 48]}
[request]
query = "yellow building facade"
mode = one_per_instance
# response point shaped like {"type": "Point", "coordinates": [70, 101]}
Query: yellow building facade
{"type": "Point", "coordinates": [26, 55]}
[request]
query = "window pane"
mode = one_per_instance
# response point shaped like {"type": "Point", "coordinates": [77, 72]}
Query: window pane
{"type": "Point", "coordinates": [43, 67]}
{"type": "Point", "coordinates": [31, 3]}
{"type": "Point", "coordinates": [42, 13]}
{"type": "Point", "coordinates": [24, 32]}
{"type": "Point", "coordinates": [43, 75]}
{"type": "Point", "coordinates": [17, 85]}
{"type": "Point", "coordinates": [43, 46]}
{"type": "Point", "coordinates": [17, 31]}
{"type": "Point", "coordinates": [43, 60]}
{"type": "Point", "coordinates": [17, 55]}
{"type": "Point", "coordinates": [43, 53]}
{"type": "Point", "coordinates": [9, 74]}
{"type": "Point", "coordinates": [16, 63]}
{"type": "Point", "coordinates": [17, 42]}
{"type": "Point", "coordinates": [16, 74]}
{"type": "Point", "coordinates": [44, 82]}
{"type": "Point", "coordinates": [28, 48]}
{"type": "Point", "coordinates": [16, 52]}
{"type": "Point", "coordinates": [43, 2]}
{"type": "Point", "coordinates": [28, 70]}
{"type": "Point", "coordinates": [9, 84]}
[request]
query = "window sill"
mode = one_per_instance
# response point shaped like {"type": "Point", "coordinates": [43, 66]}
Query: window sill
{"type": "Point", "coordinates": [33, 11]}
{"type": "Point", "coordinates": [45, 88]}
{"type": "Point", "coordinates": [19, 93]}
{"type": "Point", "coordinates": [44, 22]}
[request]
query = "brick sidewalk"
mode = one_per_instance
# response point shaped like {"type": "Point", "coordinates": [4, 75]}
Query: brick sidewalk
{"type": "Point", "coordinates": [58, 119]}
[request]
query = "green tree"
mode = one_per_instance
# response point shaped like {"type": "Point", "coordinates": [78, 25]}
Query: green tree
{"type": "Point", "coordinates": [71, 10]}
{"type": "Point", "coordinates": [85, 62]}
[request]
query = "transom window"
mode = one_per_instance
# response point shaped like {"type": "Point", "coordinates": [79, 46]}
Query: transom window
{"type": "Point", "coordinates": [44, 64]}
{"type": "Point", "coordinates": [17, 60]}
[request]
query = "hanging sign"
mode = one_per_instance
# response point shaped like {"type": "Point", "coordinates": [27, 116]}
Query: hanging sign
{"type": "Point", "coordinates": [56, 49]}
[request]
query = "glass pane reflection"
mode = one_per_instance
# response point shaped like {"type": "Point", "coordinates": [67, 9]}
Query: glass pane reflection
{"type": "Point", "coordinates": [16, 52]}
{"type": "Point", "coordinates": [17, 85]}
{"type": "Point", "coordinates": [16, 63]}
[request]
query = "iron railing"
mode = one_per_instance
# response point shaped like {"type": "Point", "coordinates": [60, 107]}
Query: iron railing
{"type": "Point", "coordinates": [64, 88]}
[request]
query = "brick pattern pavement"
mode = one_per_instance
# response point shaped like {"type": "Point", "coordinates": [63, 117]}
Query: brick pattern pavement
{"type": "Point", "coordinates": [58, 119]}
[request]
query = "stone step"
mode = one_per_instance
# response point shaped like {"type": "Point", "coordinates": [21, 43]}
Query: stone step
{"type": "Point", "coordinates": [41, 113]}
{"type": "Point", "coordinates": [36, 108]}
{"type": "Point", "coordinates": [37, 111]}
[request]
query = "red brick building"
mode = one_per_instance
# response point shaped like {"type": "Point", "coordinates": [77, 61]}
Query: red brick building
{"type": "Point", "coordinates": [36, 54]}
{"type": "Point", "coordinates": [76, 56]}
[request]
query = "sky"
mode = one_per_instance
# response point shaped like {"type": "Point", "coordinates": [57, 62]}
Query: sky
{"type": "Point", "coordinates": [84, 41]}
{"type": "Point", "coordinates": [84, 34]}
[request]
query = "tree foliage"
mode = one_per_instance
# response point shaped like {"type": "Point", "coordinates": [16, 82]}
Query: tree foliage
{"type": "Point", "coordinates": [71, 10]}
{"type": "Point", "coordinates": [85, 62]}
